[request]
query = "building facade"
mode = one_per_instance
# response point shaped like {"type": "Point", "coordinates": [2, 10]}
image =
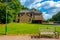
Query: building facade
{"type": "Point", "coordinates": [29, 16]}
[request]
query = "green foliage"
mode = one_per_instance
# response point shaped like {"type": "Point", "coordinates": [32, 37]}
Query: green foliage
{"type": "Point", "coordinates": [2, 12]}
{"type": "Point", "coordinates": [5, 0]}
{"type": "Point", "coordinates": [56, 17]}
{"type": "Point", "coordinates": [12, 8]}
{"type": "Point", "coordinates": [2, 0]}
{"type": "Point", "coordinates": [33, 9]}
{"type": "Point", "coordinates": [49, 20]}
{"type": "Point", "coordinates": [24, 8]}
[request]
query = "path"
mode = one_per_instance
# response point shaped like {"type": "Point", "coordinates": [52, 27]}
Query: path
{"type": "Point", "coordinates": [19, 37]}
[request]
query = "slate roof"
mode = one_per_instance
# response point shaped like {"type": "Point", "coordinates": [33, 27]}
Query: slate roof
{"type": "Point", "coordinates": [29, 11]}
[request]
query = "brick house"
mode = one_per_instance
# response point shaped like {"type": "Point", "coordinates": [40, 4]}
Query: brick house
{"type": "Point", "coordinates": [29, 16]}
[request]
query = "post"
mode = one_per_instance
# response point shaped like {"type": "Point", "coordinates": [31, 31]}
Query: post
{"type": "Point", "coordinates": [6, 28]}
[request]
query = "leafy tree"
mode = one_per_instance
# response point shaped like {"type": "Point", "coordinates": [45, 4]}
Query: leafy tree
{"type": "Point", "coordinates": [11, 9]}
{"type": "Point", "coordinates": [33, 9]}
{"type": "Point", "coordinates": [5, 0]}
{"type": "Point", "coordinates": [2, 12]}
{"type": "Point", "coordinates": [56, 17]}
{"type": "Point", "coordinates": [24, 8]}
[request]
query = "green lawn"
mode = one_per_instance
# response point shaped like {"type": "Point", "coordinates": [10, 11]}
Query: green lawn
{"type": "Point", "coordinates": [23, 28]}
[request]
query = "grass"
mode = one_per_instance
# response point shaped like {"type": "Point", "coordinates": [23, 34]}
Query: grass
{"type": "Point", "coordinates": [23, 28]}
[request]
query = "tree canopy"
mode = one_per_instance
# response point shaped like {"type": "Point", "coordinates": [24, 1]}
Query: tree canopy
{"type": "Point", "coordinates": [24, 8]}
{"type": "Point", "coordinates": [12, 8]}
{"type": "Point", "coordinates": [34, 9]}
{"type": "Point", "coordinates": [56, 17]}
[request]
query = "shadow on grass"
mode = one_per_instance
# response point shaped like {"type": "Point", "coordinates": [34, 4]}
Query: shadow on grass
{"type": "Point", "coordinates": [48, 24]}
{"type": "Point", "coordinates": [2, 34]}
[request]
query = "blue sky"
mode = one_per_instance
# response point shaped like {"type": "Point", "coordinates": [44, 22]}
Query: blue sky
{"type": "Point", "coordinates": [48, 7]}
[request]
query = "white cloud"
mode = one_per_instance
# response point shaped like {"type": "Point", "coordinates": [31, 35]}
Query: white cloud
{"type": "Point", "coordinates": [49, 5]}
{"type": "Point", "coordinates": [22, 2]}
{"type": "Point", "coordinates": [52, 3]}
{"type": "Point", "coordinates": [46, 4]}
{"type": "Point", "coordinates": [35, 5]}
{"type": "Point", "coordinates": [37, 1]}
{"type": "Point", "coordinates": [38, 4]}
{"type": "Point", "coordinates": [46, 16]}
{"type": "Point", "coordinates": [57, 5]}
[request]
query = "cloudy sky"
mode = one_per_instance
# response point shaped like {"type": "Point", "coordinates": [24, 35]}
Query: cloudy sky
{"type": "Point", "coordinates": [48, 7]}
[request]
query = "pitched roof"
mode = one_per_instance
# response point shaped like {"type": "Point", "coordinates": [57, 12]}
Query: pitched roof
{"type": "Point", "coordinates": [29, 11]}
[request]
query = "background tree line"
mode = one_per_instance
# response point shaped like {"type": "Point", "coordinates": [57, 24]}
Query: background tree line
{"type": "Point", "coordinates": [11, 8]}
{"type": "Point", "coordinates": [55, 17]}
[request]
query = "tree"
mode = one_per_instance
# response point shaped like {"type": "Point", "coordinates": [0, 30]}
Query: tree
{"type": "Point", "coordinates": [11, 9]}
{"type": "Point", "coordinates": [56, 17]}
{"type": "Point", "coordinates": [34, 9]}
{"type": "Point", "coordinates": [2, 12]}
{"type": "Point", "coordinates": [24, 8]}
{"type": "Point", "coordinates": [5, 1]}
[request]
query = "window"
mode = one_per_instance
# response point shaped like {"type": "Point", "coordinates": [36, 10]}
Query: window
{"type": "Point", "coordinates": [30, 14]}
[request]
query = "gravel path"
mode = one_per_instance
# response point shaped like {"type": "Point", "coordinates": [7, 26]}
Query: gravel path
{"type": "Point", "coordinates": [20, 37]}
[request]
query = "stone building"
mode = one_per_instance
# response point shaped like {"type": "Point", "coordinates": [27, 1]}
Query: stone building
{"type": "Point", "coordinates": [29, 16]}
